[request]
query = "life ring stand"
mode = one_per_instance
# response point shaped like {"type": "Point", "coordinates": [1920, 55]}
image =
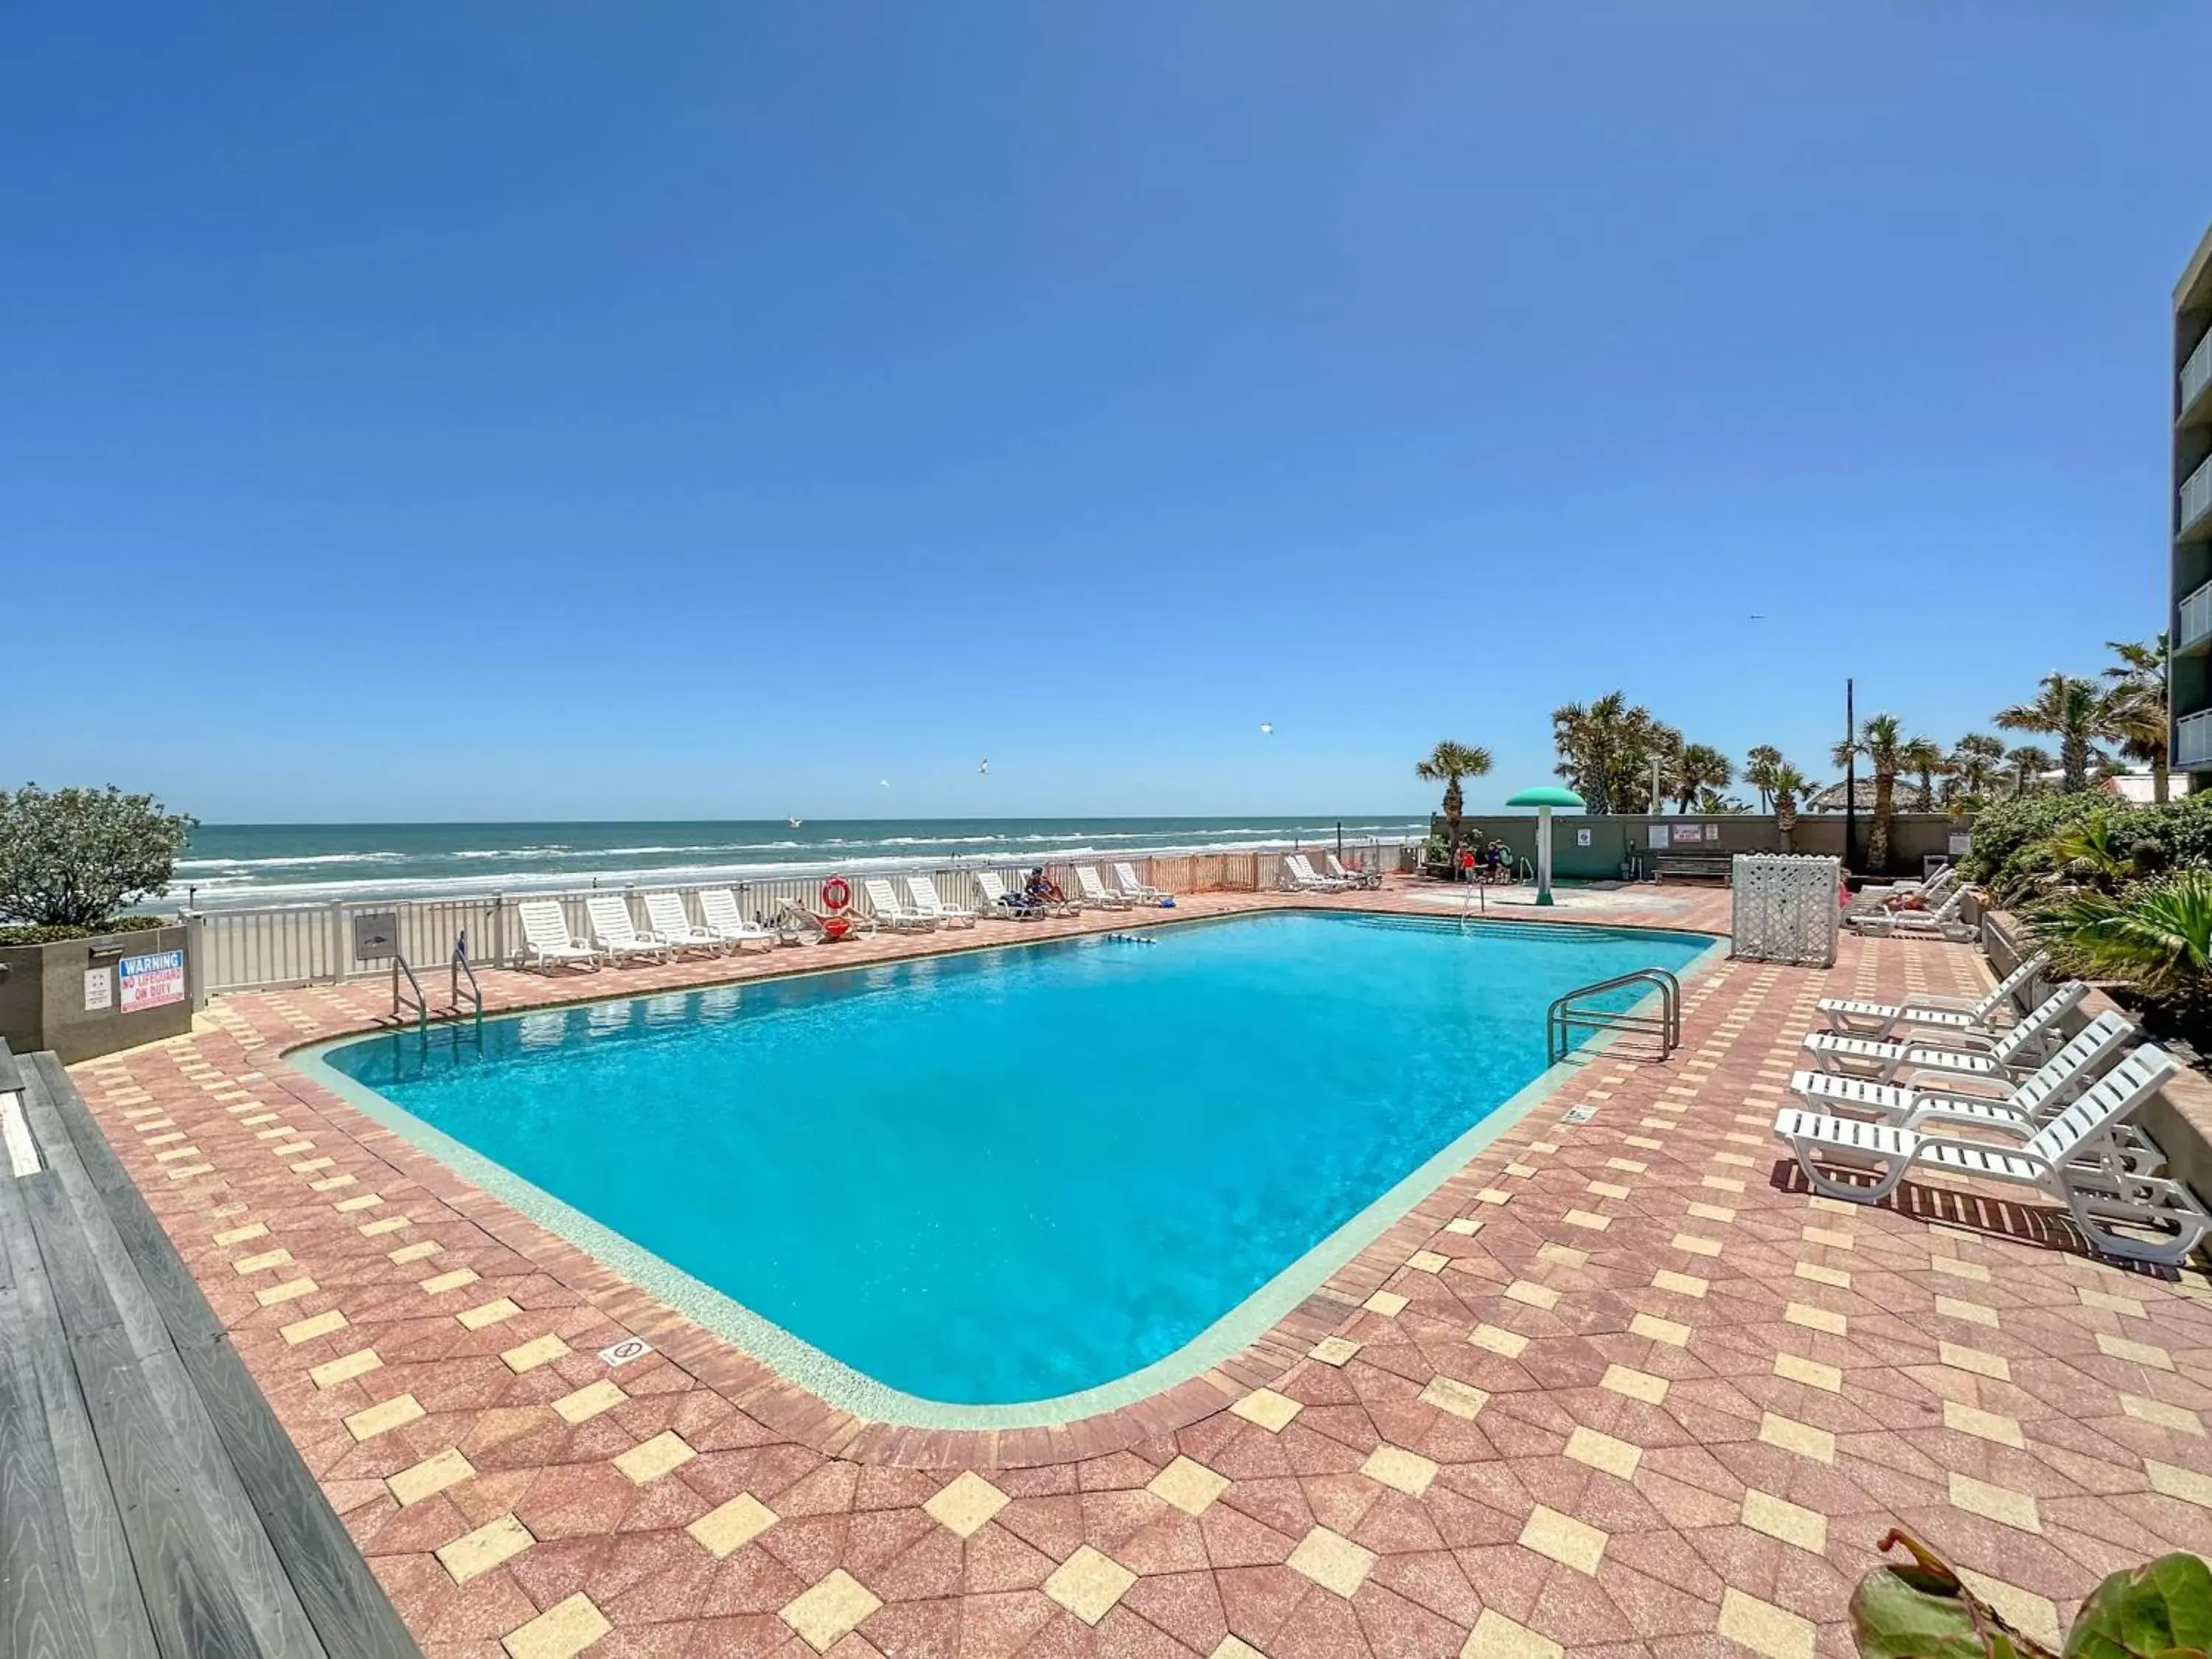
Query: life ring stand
{"type": "Point", "coordinates": [837, 893]}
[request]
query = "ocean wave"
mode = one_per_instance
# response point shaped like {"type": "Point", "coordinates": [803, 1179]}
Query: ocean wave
{"type": "Point", "coordinates": [299, 858]}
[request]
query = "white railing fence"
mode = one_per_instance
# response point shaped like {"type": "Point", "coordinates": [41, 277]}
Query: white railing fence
{"type": "Point", "coordinates": [243, 949]}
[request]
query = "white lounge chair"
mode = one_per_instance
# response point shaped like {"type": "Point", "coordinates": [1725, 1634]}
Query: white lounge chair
{"type": "Point", "coordinates": [1852, 1018]}
{"type": "Point", "coordinates": [1298, 876]}
{"type": "Point", "coordinates": [2043, 1091]}
{"type": "Point", "coordinates": [617, 935]}
{"type": "Point", "coordinates": [1935, 887]}
{"type": "Point", "coordinates": [2012, 1052]}
{"type": "Point", "coordinates": [1341, 872]}
{"type": "Point", "coordinates": [546, 940]}
{"type": "Point", "coordinates": [1000, 902]}
{"type": "Point", "coordinates": [664, 915]}
{"type": "Point", "coordinates": [718, 905]}
{"type": "Point", "coordinates": [1094, 892]}
{"type": "Point", "coordinates": [1138, 892]}
{"type": "Point", "coordinates": [885, 902]}
{"type": "Point", "coordinates": [2073, 1159]}
{"type": "Point", "coordinates": [922, 890]}
{"type": "Point", "coordinates": [1942, 921]}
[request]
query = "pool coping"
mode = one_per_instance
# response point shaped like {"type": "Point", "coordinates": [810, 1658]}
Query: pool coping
{"type": "Point", "coordinates": [1267, 1330]}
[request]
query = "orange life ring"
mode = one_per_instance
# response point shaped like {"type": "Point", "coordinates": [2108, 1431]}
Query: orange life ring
{"type": "Point", "coordinates": [837, 893]}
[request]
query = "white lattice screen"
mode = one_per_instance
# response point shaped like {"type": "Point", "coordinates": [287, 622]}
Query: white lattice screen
{"type": "Point", "coordinates": [1785, 908]}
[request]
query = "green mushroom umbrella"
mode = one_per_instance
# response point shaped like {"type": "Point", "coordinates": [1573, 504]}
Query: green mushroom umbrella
{"type": "Point", "coordinates": [1544, 799]}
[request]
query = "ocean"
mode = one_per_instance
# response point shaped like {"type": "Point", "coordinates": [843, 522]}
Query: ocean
{"type": "Point", "coordinates": [228, 866]}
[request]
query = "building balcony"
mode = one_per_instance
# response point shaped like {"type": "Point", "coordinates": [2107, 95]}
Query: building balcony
{"type": "Point", "coordinates": [2192, 739]}
{"type": "Point", "coordinates": [2197, 498]}
{"type": "Point", "coordinates": [2196, 375]}
{"type": "Point", "coordinates": [2193, 622]}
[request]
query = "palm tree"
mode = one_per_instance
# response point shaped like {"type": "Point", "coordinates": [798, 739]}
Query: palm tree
{"type": "Point", "coordinates": [1788, 783]}
{"type": "Point", "coordinates": [1699, 768]}
{"type": "Point", "coordinates": [2159, 936]}
{"type": "Point", "coordinates": [2136, 706]}
{"type": "Point", "coordinates": [1923, 758]}
{"type": "Point", "coordinates": [1447, 764]}
{"type": "Point", "coordinates": [1711, 804]}
{"type": "Point", "coordinates": [1605, 750]}
{"type": "Point", "coordinates": [1974, 766]}
{"type": "Point", "coordinates": [1882, 744]}
{"type": "Point", "coordinates": [2070, 709]}
{"type": "Point", "coordinates": [2029, 763]}
{"type": "Point", "coordinates": [1758, 771]}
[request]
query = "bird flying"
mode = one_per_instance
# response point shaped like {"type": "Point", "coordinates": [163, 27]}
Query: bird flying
{"type": "Point", "coordinates": [1266, 728]}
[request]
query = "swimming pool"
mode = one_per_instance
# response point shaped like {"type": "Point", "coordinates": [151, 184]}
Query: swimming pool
{"type": "Point", "coordinates": [948, 1190]}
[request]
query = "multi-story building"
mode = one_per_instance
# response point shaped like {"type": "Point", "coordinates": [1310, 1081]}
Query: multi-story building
{"type": "Point", "coordinates": [2190, 627]}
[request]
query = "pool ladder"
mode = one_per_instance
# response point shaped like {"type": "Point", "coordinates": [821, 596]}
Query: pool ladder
{"type": "Point", "coordinates": [1564, 1017]}
{"type": "Point", "coordinates": [410, 999]}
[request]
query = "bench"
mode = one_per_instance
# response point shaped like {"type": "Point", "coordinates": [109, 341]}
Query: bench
{"type": "Point", "coordinates": [1701, 867]}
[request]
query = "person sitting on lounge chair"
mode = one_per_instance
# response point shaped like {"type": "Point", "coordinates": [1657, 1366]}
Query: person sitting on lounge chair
{"type": "Point", "coordinates": [1044, 890]}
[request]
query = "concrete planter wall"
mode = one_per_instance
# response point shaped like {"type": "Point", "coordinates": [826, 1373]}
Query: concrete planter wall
{"type": "Point", "coordinates": [87, 997]}
{"type": "Point", "coordinates": [1914, 837]}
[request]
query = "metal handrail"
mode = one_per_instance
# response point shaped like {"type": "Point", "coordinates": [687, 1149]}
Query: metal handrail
{"type": "Point", "coordinates": [420, 1003]}
{"type": "Point", "coordinates": [1563, 1018]}
{"type": "Point", "coordinates": [461, 967]}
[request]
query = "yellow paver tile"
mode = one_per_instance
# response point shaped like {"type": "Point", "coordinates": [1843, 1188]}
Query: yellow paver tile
{"type": "Point", "coordinates": [1831, 1237]}
{"type": "Point", "coordinates": [2143, 1353]}
{"type": "Point", "coordinates": [2157, 1411]}
{"type": "Point", "coordinates": [1333, 1561]}
{"type": "Point", "coordinates": [2130, 1306]}
{"type": "Point", "coordinates": [1637, 1385]}
{"type": "Point", "coordinates": [1388, 1303]}
{"type": "Point", "coordinates": [1088, 1583]}
{"type": "Point", "coordinates": [529, 1356]}
{"type": "Point", "coordinates": [563, 1630]}
{"type": "Point", "coordinates": [1960, 1358]}
{"type": "Point", "coordinates": [1608, 1190]}
{"type": "Point", "coordinates": [1766, 1629]}
{"type": "Point", "coordinates": [1778, 1517]}
{"type": "Point", "coordinates": [344, 1368]}
{"type": "Point", "coordinates": [728, 1528]}
{"type": "Point", "coordinates": [1427, 1262]}
{"type": "Point", "coordinates": [490, 1313]}
{"type": "Point", "coordinates": [475, 1553]}
{"type": "Point", "coordinates": [1991, 1503]}
{"type": "Point", "coordinates": [1564, 1255]}
{"type": "Point", "coordinates": [1189, 1484]}
{"type": "Point", "coordinates": [2034, 1616]}
{"type": "Point", "coordinates": [1674, 1335]}
{"type": "Point", "coordinates": [1601, 1451]}
{"type": "Point", "coordinates": [1811, 1372]}
{"type": "Point", "coordinates": [239, 1235]}
{"type": "Point", "coordinates": [1588, 1220]}
{"type": "Point", "coordinates": [1721, 1183]}
{"type": "Point", "coordinates": [262, 1262]}
{"type": "Point", "coordinates": [330, 1184]}
{"type": "Point", "coordinates": [1530, 1293]}
{"type": "Point", "coordinates": [1987, 1426]}
{"type": "Point", "coordinates": [377, 1229]}
{"type": "Point", "coordinates": [1497, 1636]}
{"type": "Point", "coordinates": [1511, 1344]}
{"type": "Point", "coordinates": [2185, 1484]}
{"type": "Point", "coordinates": [965, 1503]}
{"type": "Point", "coordinates": [651, 1459]}
{"type": "Point", "coordinates": [290, 1291]}
{"type": "Point", "coordinates": [1333, 1351]}
{"type": "Point", "coordinates": [589, 1401]}
{"type": "Point", "coordinates": [1816, 1319]}
{"type": "Point", "coordinates": [1271, 1411]}
{"type": "Point", "coordinates": [1450, 1395]}
{"type": "Point", "coordinates": [1402, 1470]}
{"type": "Point", "coordinates": [1974, 1313]}
{"type": "Point", "coordinates": [315, 1325]}
{"type": "Point", "coordinates": [1803, 1438]}
{"type": "Point", "coordinates": [1570, 1542]}
{"type": "Point", "coordinates": [1817, 1274]}
{"type": "Point", "coordinates": [1493, 1195]}
{"type": "Point", "coordinates": [1230, 1648]}
{"type": "Point", "coordinates": [415, 1252]}
{"type": "Point", "coordinates": [1464, 1226]}
{"type": "Point", "coordinates": [440, 1283]}
{"type": "Point", "coordinates": [361, 1202]}
{"type": "Point", "coordinates": [305, 1166]}
{"type": "Point", "coordinates": [383, 1417]}
{"type": "Point", "coordinates": [1679, 1284]}
{"type": "Point", "coordinates": [1951, 1267]}
{"type": "Point", "coordinates": [430, 1476]}
{"type": "Point", "coordinates": [1697, 1244]}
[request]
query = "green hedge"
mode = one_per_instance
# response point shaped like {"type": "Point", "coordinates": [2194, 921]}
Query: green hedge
{"type": "Point", "coordinates": [31, 934]}
{"type": "Point", "coordinates": [2008, 837]}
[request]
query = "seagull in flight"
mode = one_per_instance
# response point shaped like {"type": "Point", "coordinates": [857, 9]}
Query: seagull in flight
{"type": "Point", "coordinates": [1266, 728]}
{"type": "Point", "coordinates": [883, 783]}
{"type": "Point", "coordinates": [984, 770]}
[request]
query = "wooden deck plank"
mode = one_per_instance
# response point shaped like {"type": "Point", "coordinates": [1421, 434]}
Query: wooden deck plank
{"type": "Point", "coordinates": [303, 1564]}
{"type": "Point", "coordinates": [42, 1602]}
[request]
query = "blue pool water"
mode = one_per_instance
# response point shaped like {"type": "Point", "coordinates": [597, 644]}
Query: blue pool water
{"type": "Point", "coordinates": [1016, 1173]}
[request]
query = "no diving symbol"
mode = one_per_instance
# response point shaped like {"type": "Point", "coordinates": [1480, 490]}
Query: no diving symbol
{"type": "Point", "coordinates": [630, 1348]}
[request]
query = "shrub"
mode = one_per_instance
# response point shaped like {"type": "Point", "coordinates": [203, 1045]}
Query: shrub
{"type": "Point", "coordinates": [72, 857]}
{"type": "Point", "coordinates": [2148, 856]}
{"type": "Point", "coordinates": [33, 933]}
{"type": "Point", "coordinates": [2012, 827]}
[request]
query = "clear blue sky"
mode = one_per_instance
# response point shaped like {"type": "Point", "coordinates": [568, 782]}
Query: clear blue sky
{"type": "Point", "coordinates": [457, 410]}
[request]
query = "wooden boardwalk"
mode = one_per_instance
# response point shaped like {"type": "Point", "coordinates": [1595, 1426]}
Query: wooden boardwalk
{"type": "Point", "coordinates": [150, 1502]}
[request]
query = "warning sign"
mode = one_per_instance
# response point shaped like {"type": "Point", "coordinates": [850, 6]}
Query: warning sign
{"type": "Point", "coordinates": [150, 981]}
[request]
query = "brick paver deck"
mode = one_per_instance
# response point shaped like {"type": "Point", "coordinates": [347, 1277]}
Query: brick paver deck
{"type": "Point", "coordinates": [1619, 1387]}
